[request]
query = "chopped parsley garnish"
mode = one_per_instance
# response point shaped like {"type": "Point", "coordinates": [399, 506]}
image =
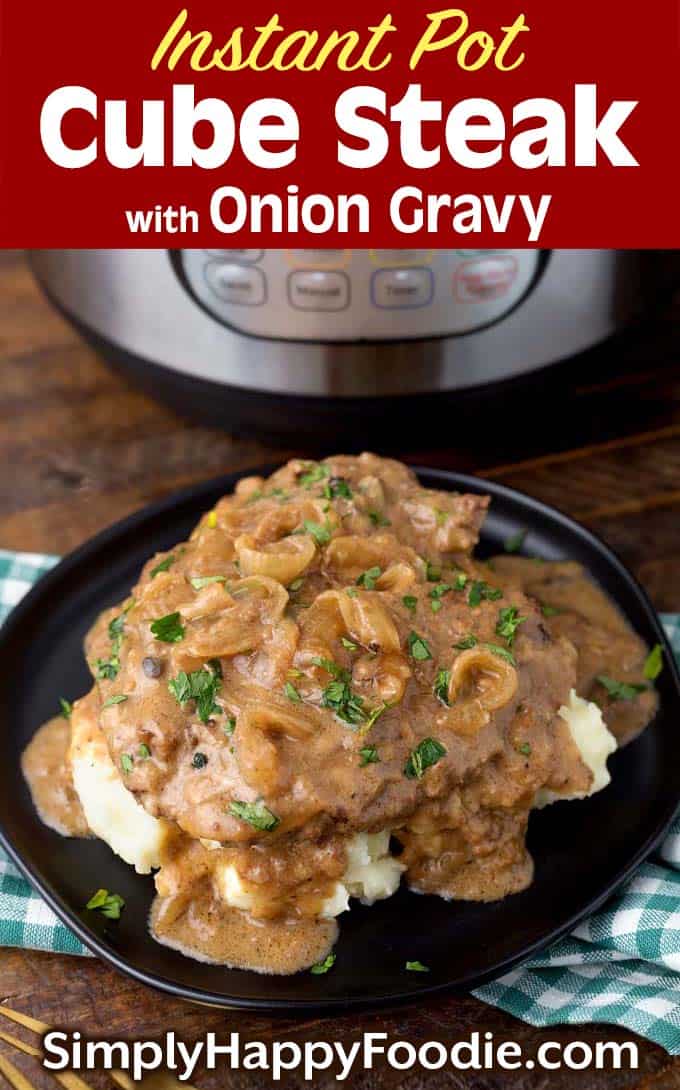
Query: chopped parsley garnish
{"type": "Point", "coordinates": [367, 579]}
{"type": "Point", "coordinates": [168, 629]}
{"type": "Point", "coordinates": [116, 630]}
{"type": "Point", "coordinates": [418, 648]}
{"type": "Point", "coordinates": [296, 584]}
{"type": "Point", "coordinates": [369, 756]}
{"type": "Point", "coordinates": [230, 725]}
{"type": "Point", "coordinates": [107, 669]}
{"type": "Point", "coordinates": [466, 643]}
{"type": "Point", "coordinates": [373, 716]}
{"type": "Point", "coordinates": [292, 693]}
{"type": "Point", "coordinates": [426, 754]}
{"type": "Point", "coordinates": [337, 487]}
{"type": "Point", "coordinates": [349, 645]}
{"type": "Point", "coordinates": [66, 707]}
{"type": "Point", "coordinates": [440, 590]}
{"type": "Point", "coordinates": [256, 814]}
{"type": "Point", "coordinates": [126, 763]}
{"type": "Point", "coordinates": [620, 690]}
{"type": "Point", "coordinates": [550, 611]}
{"type": "Point", "coordinates": [502, 652]}
{"type": "Point", "coordinates": [351, 592]}
{"type": "Point", "coordinates": [322, 967]}
{"type": "Point", "coordinates": [144, 751]}
{"type": "Point", "coordinates": [199, 760]}
{"type": "Point", "coordinates": [441, 685]}
{"type": "Point", "coordinates": [410, 602]}
{"type": "Point", "coordinates": [201, 686]}
{"type": "Point", "coordinates": [461, 581]}
{"type": "Point", "coordinates": [338, 696]}
{"type": "Point", "coordinates": [314, 473]}
{"type": "Point", "coordinates": [481, 591]}
{"type": "Point", "coordinates": [524, 749]}
{"type": "Point", "coordinates": [433, 572]}
{"type": "Point", "coordinates": [279, 494]}
{"type": "Point", "coordinates": [441, 517]}
{"type": "Point", "coordinates": [119, 699]}
{"type": "Point", "coordinates": [654, 663]}
{"type": "Point", "coordinates": [164, 565]}
{"type": "Point", "coordinates": [344, 703]}
{"type": "Point", "coordinates": [514, 544]}
{"type": "Point", "coordinates": [206, 580]}
{"type": "Point", "coordinates": [436, 595]}
{"type": "Point", "coordinates": [321, 534]}
{"type": "Point", "coordinates": [109, 904]}
{"type": "Point", "coordinates": [416, 967]}
{"type": "Point", "coordinates": [509, 621]}
{"type": "Point", "coordinates": [378, 519]}
{"type": "Point", "coordinates": [329, 666]}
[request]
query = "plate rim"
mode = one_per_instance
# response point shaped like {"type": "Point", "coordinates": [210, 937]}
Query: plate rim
{"type": "Point", "coordinates": [451, 480]}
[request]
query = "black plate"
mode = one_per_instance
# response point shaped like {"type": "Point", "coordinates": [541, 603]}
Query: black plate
{"type": "Point", "coordinates": [582, 850]}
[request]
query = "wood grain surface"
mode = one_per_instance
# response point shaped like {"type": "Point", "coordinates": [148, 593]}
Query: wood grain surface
{"type": "Point", "coordinates": [80, 449]}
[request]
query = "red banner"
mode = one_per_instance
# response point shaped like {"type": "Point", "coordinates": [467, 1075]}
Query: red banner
{"type": "Point", "coordinates": [149, 125]}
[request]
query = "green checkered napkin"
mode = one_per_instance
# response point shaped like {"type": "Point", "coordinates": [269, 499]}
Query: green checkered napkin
{"type": "Point", "coordinates": [25, 919]}
{"type": "Point", "coordinates": [621, 966]}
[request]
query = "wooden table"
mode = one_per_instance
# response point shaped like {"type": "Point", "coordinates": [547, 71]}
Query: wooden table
{"type": "Point", "coordinates": [81, 449]}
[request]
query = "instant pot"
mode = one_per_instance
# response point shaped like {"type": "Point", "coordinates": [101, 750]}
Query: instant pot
{"type": "Point", "coordinates": [327, 344]}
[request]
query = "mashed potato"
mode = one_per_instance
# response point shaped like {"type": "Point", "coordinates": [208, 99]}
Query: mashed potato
{"type": "Point", "coordinates": [594, 741]}
{"type": "Point", "coordinates": [372, 875]}
{"type": "Point", "coordinates": [112, 812]}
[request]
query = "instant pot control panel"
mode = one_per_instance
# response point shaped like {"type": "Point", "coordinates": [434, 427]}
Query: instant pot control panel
{"type": "Point", "coordinates": [353, 295]}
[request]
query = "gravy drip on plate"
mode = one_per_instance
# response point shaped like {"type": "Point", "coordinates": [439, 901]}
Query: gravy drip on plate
{"type": "Point", "coordinates": [577, 609]}
{"type": "Point", "coordinates": [209, 931]}
{"type": "Point", "coordinates": [47, 771]}
{"type": "Point", "coordinates": [282, 932]}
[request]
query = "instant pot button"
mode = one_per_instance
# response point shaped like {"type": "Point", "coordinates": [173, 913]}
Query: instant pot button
{"type": "Point", "coordinates": [486, 278]}
{"type": "Point", "coordinates": [316, 290]}
{"type": "Point", "coordinates": [397, 289]}
{"type": "Point", "coordinates": [242, 285]}
{"type": "Point", "coordinates": [240, 257]}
